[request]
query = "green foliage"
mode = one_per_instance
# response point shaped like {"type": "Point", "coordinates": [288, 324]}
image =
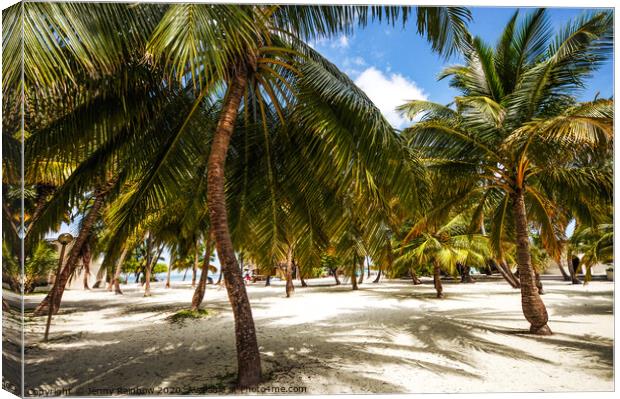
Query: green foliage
{"type": "Point", "coordinates": [516, 129]}
{"type": "Point", "coordinates": [183, 316]}
{"type": "Point", "coordinates": [43, 260]}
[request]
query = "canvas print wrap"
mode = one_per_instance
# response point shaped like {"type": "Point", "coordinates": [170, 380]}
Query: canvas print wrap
{"type": "Point", "coordinates": [210, 198]}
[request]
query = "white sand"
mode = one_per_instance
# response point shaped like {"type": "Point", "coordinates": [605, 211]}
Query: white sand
{"type": "Point", "coordinates": [387, 337]}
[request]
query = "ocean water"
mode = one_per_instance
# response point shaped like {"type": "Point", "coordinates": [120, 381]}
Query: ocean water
{"type": "Point", "coordinates": [175, 276]}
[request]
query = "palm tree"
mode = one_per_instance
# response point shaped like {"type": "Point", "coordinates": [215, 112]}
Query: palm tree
{"type": "Point", "coordinates": [596, 245]}
{"type": "Point", "coordinates": [517, 140]}
{"type": "Point", "coordinates": [441, 247]}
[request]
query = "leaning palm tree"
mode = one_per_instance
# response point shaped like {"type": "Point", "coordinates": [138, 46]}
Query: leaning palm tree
{"type": "Point", "coordinates": [517, 140]}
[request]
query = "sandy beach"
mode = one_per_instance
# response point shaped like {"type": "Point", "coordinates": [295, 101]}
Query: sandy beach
{"type": "Point", "coordinates": [384, 338]}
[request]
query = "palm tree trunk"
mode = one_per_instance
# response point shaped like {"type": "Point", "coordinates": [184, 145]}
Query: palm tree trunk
{"type": "Point", "coordinates": [571, 268]}
{"type": "Point", "coordinates": [376, 280]}
{"type": "Point", "coordinates": [566, 276]}
{"type": "Point", "coordinates": [509, 274]}
{"type": "Point", "coordinates": [290, 288]}
{"type": "Point", "coordinates": [117, 272]}
{"type": "Point", "coordinates": [539, 285]}
{"type": "Point", "coordinates": [361, 280]}
{"type": "Point", "coordinates": [199, 293]}
{"type": "Point", "coordinates": [86, 257]}
{"type": "Point", "coordinates": [148, 270]}
{"type": "Point", "coordinates": [437, 279]}
{"type": "Point", "coordinates": [336, 276]}
{"type": "Point", "coordinates": [195, 267]}
{"type": "Point", "coordinates": [169, 270]}
{"type": "Point", "coordinates": [301, 275]}
{"type": "Point", "coordinates": [533, 307]}
{"type": "Point", "coordinates": [368, 272]}
{"type": "Point", "coordinates": [61, 280]}
{"type": "Point", "coordinates": [248, 356]}
{"type": "Point", "coordinates": [353, 270]}
{"type": "Point", "coordinates": [414, 277]}
{"type": "Point", "coordinates": [268, 281]}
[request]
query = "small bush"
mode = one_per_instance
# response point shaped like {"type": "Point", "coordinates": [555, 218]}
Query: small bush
{"type": "Point", "coordinates": [183, 315]}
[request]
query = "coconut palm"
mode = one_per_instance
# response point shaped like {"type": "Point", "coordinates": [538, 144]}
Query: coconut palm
{"type": "Point", "coordinates": [441, 247]}
{"type": "Point", "coordinates": [596, 244]}
{"type": "Point", "coordinates": [517, 139]}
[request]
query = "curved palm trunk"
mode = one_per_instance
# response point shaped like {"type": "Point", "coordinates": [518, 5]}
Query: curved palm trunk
{"type": "Point", "coordinates": [533, 307]}
{"type": "Point", "coordinates": [199, 293]}
{"type": "Point", "coordinates": [248, 357]}
{"type": "Point", "coordinates": [148, 270]}
{"type": "Point", "coordinates": [61, 281]}
{"type": "Point", "coordinates": [368, 272]}
{"type": "Point", "coordinates": [117, 272]}
{"type": "Point", "coordinates": [502, 268]}
{"type": "Point", "coordinates": [437, 279]}
{"type": "Point", "coordinates": [290, 288]}
{"type": "Point", "coordinates": [219, 279]}
{"type": "Point", "coordinates": [376, 280]}
{"type": "Point", "coordinates": [414, 277]}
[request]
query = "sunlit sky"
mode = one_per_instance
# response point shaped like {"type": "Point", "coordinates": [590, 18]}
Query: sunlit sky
{"type": "Point", "coordinates": [393, 64]}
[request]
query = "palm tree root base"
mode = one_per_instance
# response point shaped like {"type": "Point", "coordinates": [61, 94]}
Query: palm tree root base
{"type": "Point", "coordinates": [544, 330]}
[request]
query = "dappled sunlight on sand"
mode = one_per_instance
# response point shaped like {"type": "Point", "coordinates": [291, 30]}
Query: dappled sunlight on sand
{"type": "Point", "coordinates": [387, 337]}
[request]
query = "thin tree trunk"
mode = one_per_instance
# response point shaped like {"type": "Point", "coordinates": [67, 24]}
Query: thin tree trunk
{"type": "Point", "coordinates": [368, 272]}
{"type": "Point", "coordinates": [195, 267]}
{"type": "Point", "coordinates": [353, 270]}
{"type": "Point", "coordinates": [148, 271]}
{"type": "Point", "coordinates": [119, 269]}
{"type": "Point", "coordinates": [566, 276]}
{"type": "Point", "coordinates": [376, 280]}
{"type": "Point", "coordinates": [170, 264]}
{"type": "Point", "coordinates": [219, 279]}
{"type": "Point", "coordinates": [61, 281]}
{"type": "Point", "coordinates": [86, 258]}
{"type": "Point", "coordinates": [533, 307]}
{"type": "Point", "coordinates": [301, 275]}
{"type": "Point", "coordinates": [268, 281]}
{"type": "Point", "coordinates": [437, 279]}
{"type": "Point", "coordinates": [248, 356]}
{"type": "Point", "coordinates": [290, 288]}
{"type": "Point", "coordinates": [185, 274]}
{"type": "Point", "coordinates": [199, 293]}
{"type": "Point", "coordinates": [336, 276]}
{"type": "Point", "coordinates": [506, 274]}
{"type": "Point", "coordinates": [414, 277]}
{"type": "Point", "coordinates": [361, 280]}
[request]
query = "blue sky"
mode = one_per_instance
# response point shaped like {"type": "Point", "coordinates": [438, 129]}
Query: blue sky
{"type": "Point", "coordinates": [391, 62]}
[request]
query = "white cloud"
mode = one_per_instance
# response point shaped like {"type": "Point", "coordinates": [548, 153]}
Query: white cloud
{"type": "Point", "coordinates": [388, 92]}
{"type": "Point", "coordinates": [341, 42]}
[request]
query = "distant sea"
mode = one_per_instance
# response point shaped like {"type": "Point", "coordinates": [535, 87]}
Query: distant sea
{"type": "Point", "coordinates": [175, 276]}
